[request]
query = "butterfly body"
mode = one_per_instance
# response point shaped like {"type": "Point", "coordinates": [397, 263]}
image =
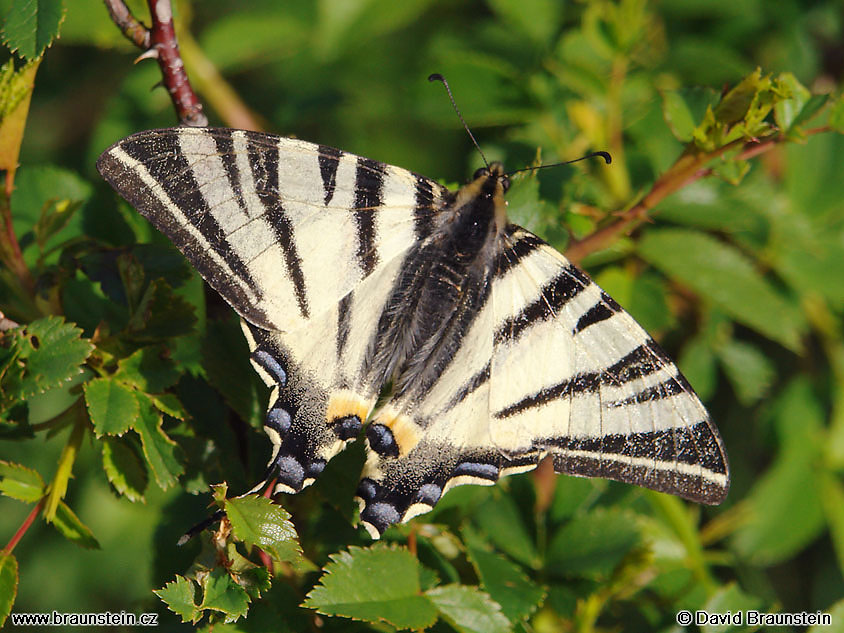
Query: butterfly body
{"type": "Point", "coordinates": [350, 275]}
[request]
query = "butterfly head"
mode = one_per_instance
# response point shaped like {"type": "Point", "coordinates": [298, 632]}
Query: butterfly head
{"type": "Point", "coordinates": [495, 171]}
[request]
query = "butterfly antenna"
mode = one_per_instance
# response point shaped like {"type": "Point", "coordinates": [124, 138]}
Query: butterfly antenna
{"type": "Point", "coordinates": [196, 529]}
{"type": "Point", "coordinates": [439, 77]}
{"type": "Point", "coordinates": [604, 155]}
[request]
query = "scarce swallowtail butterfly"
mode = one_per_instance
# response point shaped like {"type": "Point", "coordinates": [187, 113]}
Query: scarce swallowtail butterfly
{"type": "Point", "coordinates": [350, 274]}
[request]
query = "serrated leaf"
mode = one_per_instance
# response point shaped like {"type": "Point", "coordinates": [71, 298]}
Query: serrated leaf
{"type": "Point", "coordinates": [8, 584]}
{"type": "Point", "coordinates": [255, 581]}
{"type": "Point", "coordinates": [124, 468]}
{"type": "Point", "coordinates": [170, 404]}
{"type": "Point", "coordinates": [53, 353]}
{"type": "Point", "coordinates": [71, 527]}
{"type": "Point", "coordinates": [722, 274]}
{"type": "Point", "coordinates": [159, 450]}
{"type": "Point", "coordinates": [748, 369]}
{"type": "Point", "coordinates": [374, 584]}
{"type": "Point", "coordinates": [31, 26]}
{"type": "Point", "coordinates": [258, 521]}
{"type": "Point", "coordinates": [592, 544]}
{"type": "Point", "coordinates": [468, 609]}
{"type": "Point", "coordinates": [20, 482]}
{"type": "Point", "coordinates": [222, 593]}
{"type": "Point", "coordinates": [505, 582]}
{"type": "Point", "coordinates": [179, 596]}
{"type": "Point", "coordinates": [148, 369]}
{"type": "Point", "coordinates": [112, 407]}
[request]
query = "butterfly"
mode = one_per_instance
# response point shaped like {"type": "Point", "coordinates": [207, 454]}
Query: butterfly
{"type": "Point", "coordinates": [351, 275]}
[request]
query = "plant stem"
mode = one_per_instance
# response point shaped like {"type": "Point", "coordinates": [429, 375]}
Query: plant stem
{"type": "Point", "coordinates": [688, 168]}
{"type": "Point", "coordinates": [27, 522]}
{"type": "Point", "coordinates": [58, 487]}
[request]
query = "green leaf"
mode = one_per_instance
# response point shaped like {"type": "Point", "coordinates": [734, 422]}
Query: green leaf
{"type": "Point", "coordinates": [722, 274]}
{"type": "Point", "coordinates": [225, 357]}
{"type": "Point", "coordinates": [790, 487]}
{"type": "Point", "coordinates": [15, 94]}
{"type": "Point", "coordinates": [836, 115]}
{"type": "Point", "coordinates": [258, 521]}
{"type": "Point", "coordinates": [169, 403]}
{"type": "Point", "coordinates": [112, 406]}
{"type": "Point", "coordinates": [468, 609]}
{"type": "Point", "coordinates": [222, 593]}
{"type": "Point", "coordinates": [591, 545]}
{"type": "Point", "coordinates": [787, 110]}
{"type": "Point", "coordinates": [697, 362]}
{"type": "Point", "coordinates": [53, 353]}
{"type": "Point", "coordinates": [678, 115]}
{"type": "Point", "coordinates": [148, 369]}
{"type": "Point", "coordinates": [729, 598]}
{"type": "Point", "coordinates": [8, 584]}
{"type": "Point", "coordinates": [159, 450]}
{"type": "Point", "coordinates": [20, 482]}
{"type": "Point", "coordinates": [72, 528]}
{"type": "Point", "coordinates": [32, 25]}
{"type": "Point", "coordinates": [836, 613]}
{"type": "Point", "coordinates": [538, 19]}
{"type": "Point", "coordinates": [374, 584]}
{"type": "Point", "coordinates": [179, 596]}
{"type": "Point", "coordinates": [572, 494]}
{"type": "Point", "coordinates": [833, 500]}
{"type": "Point", "coordinates": [748, 369]}
{"type": "Point", "coordinates": [124, 467]}
{"type": "Point", "coordinates": [503, 523]}
{"type": "Point", "coordinates": [160, 313]}
{"type": "Point", "coordinates": [255, 581]}
{"type": "Point", "coordinates": [505, 581]}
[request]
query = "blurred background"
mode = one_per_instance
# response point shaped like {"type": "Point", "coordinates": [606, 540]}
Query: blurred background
{"type": "Point", "coordinates": [741, 277]}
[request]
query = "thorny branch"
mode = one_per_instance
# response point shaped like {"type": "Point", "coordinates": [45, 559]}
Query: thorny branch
{"type": "Point", "coordinates": [689, 168]}
{"type": "Point", "coordinates": [159, 42]}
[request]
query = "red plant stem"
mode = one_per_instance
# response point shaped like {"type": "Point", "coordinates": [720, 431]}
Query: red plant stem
{"type": "Point", "coordinates": [10, 240]}
{"type": "Point", "coordinates": [160, 42]}
{"type": "Point", "coordinates": [134, 31]}
{"type": "Point", "coordinates": [163, 40]}
{"type": "Point", "coordinates": [23, 528]}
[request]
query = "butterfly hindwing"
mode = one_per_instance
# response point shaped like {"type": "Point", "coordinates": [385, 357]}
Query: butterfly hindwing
{"type": "Point", "coordinates": [607, 401]}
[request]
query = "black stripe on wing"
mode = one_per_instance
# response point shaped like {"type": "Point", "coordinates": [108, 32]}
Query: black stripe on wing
{"type": "Point", "coordinates": [263, 161]}
{"type": "Point", "coordinates": [640, 362]}
{"type": "Point", "coordinates": [653, 459]}
{"type": "Point", "coordinates": [369, 185]}
{"type": "Point", "coordinates": [553, 296]}
{"type": "Point", "coordinates": [329, 159]}
{"type": "Point", "coordinates": [159, 153]}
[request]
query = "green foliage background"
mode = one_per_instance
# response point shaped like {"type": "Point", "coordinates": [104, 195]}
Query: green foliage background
{"type": "Point", "coordinates": [741, 277]}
